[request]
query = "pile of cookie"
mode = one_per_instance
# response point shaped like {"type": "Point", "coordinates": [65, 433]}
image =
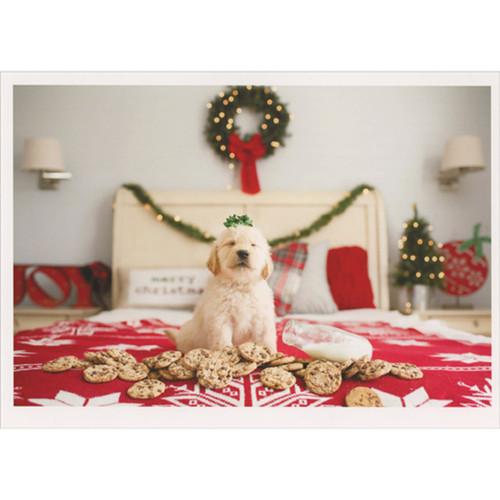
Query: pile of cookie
{"type": "Point", "coordinates": [215, 370]}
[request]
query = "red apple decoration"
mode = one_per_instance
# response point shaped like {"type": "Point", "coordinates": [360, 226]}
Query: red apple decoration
{"type": "Point", "coordinates": [465, 266]}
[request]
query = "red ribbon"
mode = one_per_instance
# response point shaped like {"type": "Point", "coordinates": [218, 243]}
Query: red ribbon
{"type": "Point", "coordinates": [248, 153]}
{"type": "Point", "coordinates": [92, 279]}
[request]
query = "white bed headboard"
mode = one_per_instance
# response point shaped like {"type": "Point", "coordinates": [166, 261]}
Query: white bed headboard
{"type": "Point", "coordinates": [141, 241]}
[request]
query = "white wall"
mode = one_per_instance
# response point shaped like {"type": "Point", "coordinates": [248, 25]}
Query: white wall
{"type": "Point", "coordinates": [389, 137]}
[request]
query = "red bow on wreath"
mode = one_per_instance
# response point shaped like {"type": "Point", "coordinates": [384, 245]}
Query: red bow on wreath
{"type": "Point", "coordinates": [248, 153]}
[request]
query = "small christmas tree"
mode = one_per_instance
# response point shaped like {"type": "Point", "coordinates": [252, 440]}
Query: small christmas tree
{"type": "Point", "coordinates": [421, 261]}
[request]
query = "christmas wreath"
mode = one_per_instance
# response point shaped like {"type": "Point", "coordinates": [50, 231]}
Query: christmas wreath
{"type": "Point", "coordinates": [221, 129]}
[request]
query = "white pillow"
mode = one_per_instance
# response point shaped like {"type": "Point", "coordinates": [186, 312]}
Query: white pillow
{"type": "Point", "coordinates": [313, 295]}
{"type": "Point", "coordinates": [168, 287]}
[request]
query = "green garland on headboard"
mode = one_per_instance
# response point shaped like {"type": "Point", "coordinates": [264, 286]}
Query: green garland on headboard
{"type": "Point", "coordinates": [196, 233]}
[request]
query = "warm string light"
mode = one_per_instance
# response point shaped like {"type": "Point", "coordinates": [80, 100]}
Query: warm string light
{"type": "Point", "coordinates": [231, 102]}
{"type": "Point", "coordinates": [413, 247]}
{"type": "Point", "coordinates": [195, 233]}
{"type": "Point", "coordinates": [228, 104]}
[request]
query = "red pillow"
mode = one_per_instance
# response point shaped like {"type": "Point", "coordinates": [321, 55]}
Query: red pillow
{"type": "Point", "coordinates": [347, 272]}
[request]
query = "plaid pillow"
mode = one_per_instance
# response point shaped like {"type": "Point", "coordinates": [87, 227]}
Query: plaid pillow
{"type": "Point", "coordinates": [289, 262]}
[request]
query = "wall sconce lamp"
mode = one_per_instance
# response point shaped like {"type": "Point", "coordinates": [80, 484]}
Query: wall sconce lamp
{"type": "Point", "coordinates": [44, 155]}
{"type": "Point", "coordinates": [462, 154]}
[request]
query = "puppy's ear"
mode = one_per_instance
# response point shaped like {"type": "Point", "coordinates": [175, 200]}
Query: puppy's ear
{"type": "Point", "coordinates": [213, 261]}
{"type": "Point", "coordinates": [268, 268]}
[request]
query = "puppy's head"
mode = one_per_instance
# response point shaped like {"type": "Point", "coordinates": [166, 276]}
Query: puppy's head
{"type": "Point", "coordinates": [241, 253]}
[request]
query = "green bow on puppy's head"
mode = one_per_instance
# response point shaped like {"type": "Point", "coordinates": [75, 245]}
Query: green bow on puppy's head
{"type": "Point", "coordinates": [235, 220]}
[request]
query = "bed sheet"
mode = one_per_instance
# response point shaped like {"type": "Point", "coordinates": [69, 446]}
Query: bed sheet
{"type": "Point", "coordinates": [456, 365]}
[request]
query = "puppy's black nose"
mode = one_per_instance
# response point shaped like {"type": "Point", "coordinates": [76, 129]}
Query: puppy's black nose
{"type": "Point", "coordinates": [243, 254]}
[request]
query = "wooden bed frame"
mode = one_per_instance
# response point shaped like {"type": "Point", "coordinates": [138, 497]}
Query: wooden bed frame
{"type": "Point", "coordinates": [140, 241]}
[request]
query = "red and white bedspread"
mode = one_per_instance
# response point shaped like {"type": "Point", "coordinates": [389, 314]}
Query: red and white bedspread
{"type": "Point", "coordinates": [457, 372]}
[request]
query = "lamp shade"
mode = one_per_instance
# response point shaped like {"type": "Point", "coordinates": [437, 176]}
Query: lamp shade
{"type": "Point", "coordinates": [463, 153]}
{"type": "Point", "coordinates": [42, 154]}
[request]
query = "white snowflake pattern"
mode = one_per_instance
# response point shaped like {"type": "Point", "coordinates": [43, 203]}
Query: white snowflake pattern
{"type": "Point", "coordinates": [480, 398]}
{"type": "Point", "coordinates": [231, 396]}
{"type": "Point", "coordinates": [126, 347]}
{"type": "Point", "coordinates": [466, 357]}
{"type": "Point", "coordinates": [80, 328]}
{"type": "Point", "coordinates": [475, 279]}
{"type": "Point", "coordinates": [234, 396]}
{"type": "Point", "coordinates": [22, 354]}
{"type": "Point", "coordinates": [17, 392]}
{"type": "Point", "coordinates": [51, 340]}
{"type": "Point", "coordinates": [406, 342]}
{"type": "Point", "coordinates": [415, 399]}
{"type": "Point", "coordinates": [65, 398]}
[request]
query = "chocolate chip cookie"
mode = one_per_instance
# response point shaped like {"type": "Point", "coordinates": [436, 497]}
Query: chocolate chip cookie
{"type": "Point", "coordinates": [363, 396]}
{"type": "Point", "coordinates": [322, 377]}
{"type": "Point", "coordinates": [277, 378]}
{"type": "Point", "coordinates": [60, 364]}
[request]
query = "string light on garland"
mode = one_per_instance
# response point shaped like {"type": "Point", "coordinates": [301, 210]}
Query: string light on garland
{"type": "Point", "coordinates": [176, 222]}
{"type": "Point", "coordinates": [173, 221]}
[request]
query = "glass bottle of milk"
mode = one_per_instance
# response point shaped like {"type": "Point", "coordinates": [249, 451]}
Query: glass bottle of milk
{"type": "Point", "coordinates": [326, 342]}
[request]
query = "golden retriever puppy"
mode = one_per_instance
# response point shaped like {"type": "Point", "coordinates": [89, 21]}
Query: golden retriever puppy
{"type": "Point", "coordinates": [237, 305]}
